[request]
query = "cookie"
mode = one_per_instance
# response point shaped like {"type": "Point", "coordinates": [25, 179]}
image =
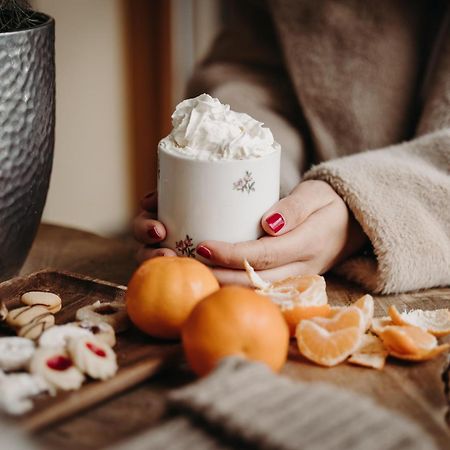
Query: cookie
{"type": "Point", "coordinates": [101, 330]}
{"type": "Point", "coordinates": [59, 335]}
{"type": "Point", "coordinates": [93, 357]}
{"type": "Point", "coordinates": [15, 390]}
{"type": "Point", "coordinates": [15, 352]}
{"type": "Point", "coordinates": [36, 327]}
{"type": "Point", "coordinates": [57, 368]}
{"type": "Point", "coordinates": [20, 317]}
{"type": "Point", "coordinates": [113, 313]}
{"type": "Point", "coordinates": [51, 301]}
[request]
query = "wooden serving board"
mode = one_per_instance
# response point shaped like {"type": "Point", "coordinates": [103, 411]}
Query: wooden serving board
{"type": "Point", "coordinates": [138, 355]}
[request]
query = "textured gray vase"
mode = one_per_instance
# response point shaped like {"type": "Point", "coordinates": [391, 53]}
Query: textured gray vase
{"type": "Point", "coordinates": [27, 128]}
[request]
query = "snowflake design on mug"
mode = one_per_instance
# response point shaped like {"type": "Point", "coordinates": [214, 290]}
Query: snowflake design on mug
{"type": "Point", "coordinates": [245, 184]}
{"type": "Point", "coordinates": [185, 247]}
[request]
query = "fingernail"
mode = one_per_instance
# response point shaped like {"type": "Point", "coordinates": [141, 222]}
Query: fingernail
{"type": "Point", "coordinates": [276, 222]}
{"type": "Point", "coordinates": [204, 251]}
{"type": "Point", "coordinates": [154, 233]}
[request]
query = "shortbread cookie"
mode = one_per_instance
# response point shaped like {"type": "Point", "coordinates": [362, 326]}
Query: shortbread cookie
{"type": "Point", "coordinates": [15, 353]}
{"type": "Point", "coordinates": [51, 301]}
{"type": "Point", "coordinates": [15, 390]}
{"type": "Point", "coordinates": [93, 357]}
{"type": "Point", "coordinates": [57, 368]}
{"type": "Point", "coordinates": [20, 317]}
{"type": "Point", "coordinates": [59, 335]}
{"type": "Point", "coordinates": [36, 327]}
{"type": "Point", "coordinates": [113, 313]}
{"type": "Point", "coordinates": [101, 330]}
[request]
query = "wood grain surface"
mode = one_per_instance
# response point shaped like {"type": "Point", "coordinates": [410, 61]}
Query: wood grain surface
{"type": "Point", "coordinates": [416, 391]}
{"type": "Point", "coordinates": [138, 355]}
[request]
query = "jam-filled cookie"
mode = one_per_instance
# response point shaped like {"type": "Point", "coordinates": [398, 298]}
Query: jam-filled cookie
{"type": "Point", "coordinates": [57, 367]}
{"type": "Point", "coordinates": [101, 330]}
{"type": "Point", "coordinates": [113, 313]}
{"type": "Point", "coordinates": [93, 357]}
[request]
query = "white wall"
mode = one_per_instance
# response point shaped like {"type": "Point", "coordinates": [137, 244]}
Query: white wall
{"type": "Point", "coordinates": [195, 24]}
{"type": "Point", "coordinates": [90, 182]}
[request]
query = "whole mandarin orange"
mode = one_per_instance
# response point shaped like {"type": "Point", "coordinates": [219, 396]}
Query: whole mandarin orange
{"type": "Point", "coordinates": [163, 291]}
{"type": "Point", "coordinates": [235, 321]}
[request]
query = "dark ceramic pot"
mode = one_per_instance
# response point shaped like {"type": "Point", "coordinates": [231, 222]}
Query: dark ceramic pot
{"type": "Point", "coordinates": [27, 130]}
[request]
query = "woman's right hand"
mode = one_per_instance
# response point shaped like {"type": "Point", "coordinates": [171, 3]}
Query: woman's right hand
{"type": "Point", "coordinates": [148, 231]}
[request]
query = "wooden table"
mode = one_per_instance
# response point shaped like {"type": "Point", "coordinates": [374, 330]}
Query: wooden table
{"type": "Point", "coordinates": [415, 390]}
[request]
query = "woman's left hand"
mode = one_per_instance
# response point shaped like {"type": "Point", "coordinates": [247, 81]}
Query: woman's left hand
{"type": "Point", "coordinates": [309, 231]}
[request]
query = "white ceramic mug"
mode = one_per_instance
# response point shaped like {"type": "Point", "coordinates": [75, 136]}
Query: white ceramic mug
{"type": "Point", "coordinates": [214, 200]}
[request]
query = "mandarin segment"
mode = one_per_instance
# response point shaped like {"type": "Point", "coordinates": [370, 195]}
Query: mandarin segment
{"type": "Point", "coordinates": [298, 313]}
{"type": "Point", "coordinates": [235, 321]}
{"type": "Point", "coordinates": [324, 347]}
{"type": "Point", "coordinates": [343, 318]}
{"type": "Point", "coordinates": [422, 356]}
{"type": "Point", "coordinates": [365, 304]}
{"type": "Point", "coordinates": [407, 340]}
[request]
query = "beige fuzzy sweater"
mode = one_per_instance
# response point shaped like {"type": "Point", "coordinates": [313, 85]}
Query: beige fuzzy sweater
{"type": "Point", "coordinates": [363, 88]}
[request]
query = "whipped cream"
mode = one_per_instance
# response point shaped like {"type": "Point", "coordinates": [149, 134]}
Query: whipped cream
{"type": "Point", "coordinates": [205, 129]}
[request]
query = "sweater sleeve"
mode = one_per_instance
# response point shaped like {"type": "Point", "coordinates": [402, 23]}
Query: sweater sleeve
{"type": "Point", "coordinates": [401, 197]}
{"type": "Point", "coordinates": [244, 68]}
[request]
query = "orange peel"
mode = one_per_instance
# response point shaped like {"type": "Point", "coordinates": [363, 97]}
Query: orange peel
{"type": "Point", "coordinates": [372, 353]}
{"type": "Point", "coordinates": [379, 324]}
{"type": "Point", "coordinates": [436, 322]}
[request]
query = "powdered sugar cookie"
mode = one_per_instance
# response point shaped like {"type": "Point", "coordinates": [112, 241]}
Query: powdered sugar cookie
{"type": "Point", "coordinates": [59, 335]}
{"type": "Point", "coordinates": [15, 352]}
{"type": "Point", "coordinates": [16, 389]}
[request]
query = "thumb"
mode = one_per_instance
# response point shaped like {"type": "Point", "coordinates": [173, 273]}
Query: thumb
{"type": "Point", "coordinates": [291, 211]}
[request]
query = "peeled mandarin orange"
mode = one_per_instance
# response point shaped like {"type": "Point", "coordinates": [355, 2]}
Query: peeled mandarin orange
{"type": "Point", "coordinates": [299, 298]}
{"type": "Point", "coordinates": [235, 321]}
{"type": "Point", "coordinates": [327, 348]}
{"type": "Point", "coordinates": [163, 291]}
{"type": "Point", "coordinates": [436, 322]}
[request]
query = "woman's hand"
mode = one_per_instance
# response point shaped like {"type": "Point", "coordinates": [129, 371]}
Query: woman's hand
{"type": "Point", "coordinates": [309, 231]}
{"type": "Point", "coordinates": [149, 231]}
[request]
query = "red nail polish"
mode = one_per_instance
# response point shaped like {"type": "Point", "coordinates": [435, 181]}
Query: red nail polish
{"type": "Point", "coordinates": [204, 251]}
{"type": "Point", "coordinates": [154, 233]}
{"type": "Point", "coordinates": [276, 222]}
